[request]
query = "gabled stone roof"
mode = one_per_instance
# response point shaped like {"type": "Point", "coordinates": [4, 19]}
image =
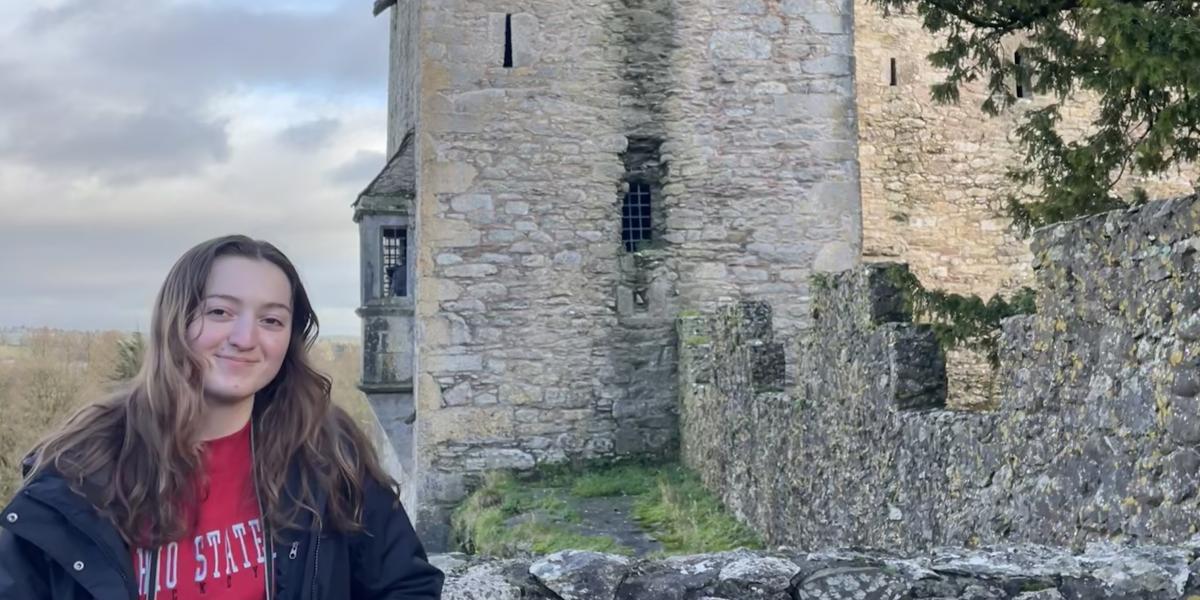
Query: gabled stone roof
{"type": "Point", "coordinates": [396, 185]}
{"type": "Point", "coordinates": [382, 5]}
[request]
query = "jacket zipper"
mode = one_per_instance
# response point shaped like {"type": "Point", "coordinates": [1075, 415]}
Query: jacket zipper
{"type": "Point", "coordinates": [316, 564]}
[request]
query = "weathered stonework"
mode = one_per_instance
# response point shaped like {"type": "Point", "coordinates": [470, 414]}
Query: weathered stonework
{"type": "Point", "coordinates": [933, 175]}
{"type": "Point", "coordinates": [997, 573]}
{"type": "Point", "coordinates": [537, 336]}
{"type": "Point", "coordinates": [530, 334]}
{"type": "Point", "coordinates": [1095, 435]}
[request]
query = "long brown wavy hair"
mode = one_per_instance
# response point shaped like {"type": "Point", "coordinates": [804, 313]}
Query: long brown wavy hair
{"type": "Point", "coordinates": [134, 453]}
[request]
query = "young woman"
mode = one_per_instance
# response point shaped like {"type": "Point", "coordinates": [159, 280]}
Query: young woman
{"type": "Point", "coordinates": [222, 472]}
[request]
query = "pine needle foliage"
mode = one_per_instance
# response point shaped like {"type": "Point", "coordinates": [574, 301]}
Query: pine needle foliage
{"type": "Point", "coordinates": [130, 351]}
{"type": "Point", "coordinates": [958, 320]}
{"type": "Point", "coordinates": [1140, 58]}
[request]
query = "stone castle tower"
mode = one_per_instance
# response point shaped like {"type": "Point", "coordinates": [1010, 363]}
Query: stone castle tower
{"type": "Point", "coordinates": [565, 178]}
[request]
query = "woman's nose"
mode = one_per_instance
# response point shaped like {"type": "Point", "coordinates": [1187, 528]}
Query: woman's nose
{"type": "Point", "coordinates": [243, 334]}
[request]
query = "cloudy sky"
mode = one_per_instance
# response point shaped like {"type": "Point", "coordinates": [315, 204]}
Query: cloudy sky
{"type": "Point", "coordinates": [132, 129]}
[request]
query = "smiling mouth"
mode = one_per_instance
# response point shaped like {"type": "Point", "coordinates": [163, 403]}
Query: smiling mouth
{"type": "Point", "coordinates": [237, 360]}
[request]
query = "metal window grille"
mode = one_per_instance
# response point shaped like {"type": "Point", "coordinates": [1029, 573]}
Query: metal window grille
{"type": "Point", "coordinates": [635, 216]}
{"type": "Point", "coordinates": [395, 261]}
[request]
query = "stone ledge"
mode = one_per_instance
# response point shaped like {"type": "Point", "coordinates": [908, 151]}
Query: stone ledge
{"type": "Point", "coordinates": [1019, 572]}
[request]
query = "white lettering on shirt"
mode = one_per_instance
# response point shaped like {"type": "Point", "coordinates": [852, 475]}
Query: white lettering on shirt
{"type": "Point", "coordinates": [172, 565]}
{"type": "Point", "coordinates": [256, 530]}
{"type": "Point", "coordinates": [230, 564]}
{"type": "Point", "coordinates": [143, 571]}
{"type": "Point", "coordinates": [214, 542]}
{"type": "Point", "coordinates": [201, 561]}
{"type": "Point", "coordinates": [239, 532]}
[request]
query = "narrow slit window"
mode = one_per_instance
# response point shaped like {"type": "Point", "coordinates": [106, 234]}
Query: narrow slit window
{"type": "Point", "coordinates": [395, 262]}
{"type": "Point", "coordinates": [508, 46]}
{"type": "Point", "coordinates": [1020, 78]}
{"type": "Point", "coordinates": [635, 216]}
{"type": "Point", "coordinates": [893, 76]}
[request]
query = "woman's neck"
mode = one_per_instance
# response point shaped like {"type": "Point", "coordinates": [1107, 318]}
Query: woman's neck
{"type": "Point", "coordinates": [219, 419]}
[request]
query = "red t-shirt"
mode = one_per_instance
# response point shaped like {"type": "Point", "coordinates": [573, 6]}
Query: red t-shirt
{"type": "Point", "coordinates": [224, 557]}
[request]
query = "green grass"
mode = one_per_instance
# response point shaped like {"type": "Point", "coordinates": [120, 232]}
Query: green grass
{"type": "Point", "coordinates": [687, 519]}
{"type": "Point", "coordinates": [616, 480]}
{"type": "Point", "coordinates": [479, 522]}
{"type": "Point", "coordinates": [669, 503]}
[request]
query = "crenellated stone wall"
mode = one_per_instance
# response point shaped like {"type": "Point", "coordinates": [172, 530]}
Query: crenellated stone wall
{"type": "Point", "coordinates": [999, 573]}
{"type": "Point", "coordinates": [1095, 435]}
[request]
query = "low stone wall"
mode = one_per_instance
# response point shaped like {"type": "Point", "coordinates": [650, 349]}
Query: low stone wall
{"type": "Point", "coordinates": [1094, 435]}
{"type": "Point", "coordinates": [1019, 573]}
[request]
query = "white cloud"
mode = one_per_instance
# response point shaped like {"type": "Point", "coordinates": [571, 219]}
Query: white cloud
{"type": "Point", "coordinates": [195, 121]}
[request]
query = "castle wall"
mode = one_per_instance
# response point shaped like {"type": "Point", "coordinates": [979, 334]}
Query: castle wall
{"type": "Point", "coordinates": [516, 266]}
{"type": "Point", "coordinates": [403, 67]}
{"type": "Point", "coordinates": [1095, 436]}
{"type": "Point", "coordinates": [763, 153]}
{"type": "Point", "coordinates": [757, 184]}
{"type": "Point", "coordinates": [933, 181]}
{"type": "Point", "coordinates": [539, 338]}
{"type": "Point", "coordinates": [933, 175]}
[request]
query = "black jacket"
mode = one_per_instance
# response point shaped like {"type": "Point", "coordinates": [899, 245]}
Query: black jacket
{"type": "Point", "coordinates": [55, 546]}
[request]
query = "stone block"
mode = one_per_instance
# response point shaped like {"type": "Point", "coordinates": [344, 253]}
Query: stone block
{"type": "Point", "coordinates": [450, 178]}
{"type": "Point", "coordinates": [577, 575]}
{"type": "Point", "coordinates": [471, 203]}
{"type": "Point", "coordinates": [836, 24]}
{"type": "Point", "coordinates": [465, 424]}
{"type": "Point", "coordinates": [751, 7]}
{"type": "Point", "coordinates": [740, 45]}
{"type": "Point", "coordinates": [451, 363]}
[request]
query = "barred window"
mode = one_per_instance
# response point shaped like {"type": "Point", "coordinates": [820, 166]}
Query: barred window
{"type": "Point", "coordinates": [635, 216]}
{"type": "Point", "coordinates": [395, 261]}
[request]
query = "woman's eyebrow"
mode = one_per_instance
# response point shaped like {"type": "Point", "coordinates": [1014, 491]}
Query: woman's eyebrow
{"type": "Point", "coordinates": [238, 301]}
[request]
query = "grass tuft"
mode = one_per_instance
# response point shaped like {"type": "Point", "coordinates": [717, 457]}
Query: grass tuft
{"type": "Point", "coordinates": [687, 519]}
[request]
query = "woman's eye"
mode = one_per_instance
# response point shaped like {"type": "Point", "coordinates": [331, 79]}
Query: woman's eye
{"type": "Point", "coordinates": [218, 312]}
{"type": "Point", "coordinates": [273, 321]}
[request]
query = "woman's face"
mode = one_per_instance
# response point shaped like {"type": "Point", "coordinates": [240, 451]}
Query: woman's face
{"type": "Point", "coordinates": [243, 328]}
